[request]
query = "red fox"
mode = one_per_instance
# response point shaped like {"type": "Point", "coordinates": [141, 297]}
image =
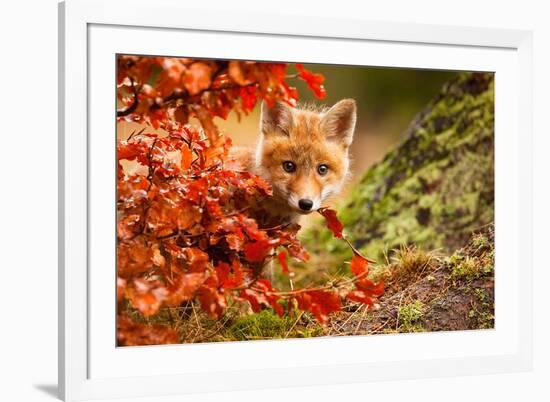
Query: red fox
{"type": "Point", "coordinates": [303, 154]}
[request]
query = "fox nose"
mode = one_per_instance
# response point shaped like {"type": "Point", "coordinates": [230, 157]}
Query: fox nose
{"type": "Point", "coordinates": [305, 204]}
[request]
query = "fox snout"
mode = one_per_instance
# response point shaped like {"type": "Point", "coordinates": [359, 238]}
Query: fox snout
{"type": "Point", "coordinates": [304, 204]}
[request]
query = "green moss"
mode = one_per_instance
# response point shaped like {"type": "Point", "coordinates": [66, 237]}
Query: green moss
{"type": "Point", "coordinates": [485, 319]}
{"type": "Point", "coordinates": [308, 332]}
{"type": "Point", "coordinates": [268, 325]}
{"type": "Point", "coordinates": [263, 325]}
{"type": "Point", "coordinates": [484, 312]}
{"type": "Point", "coordinates": [466, 268]}
{"type": "Point", "coordinates": [472, 266]}
{"type": "Point", "coordinates": [480, 241]}
{"type": "Point", "coordinates": [409, 315]}
{"type": "Point", "coordinates": [481, 294]}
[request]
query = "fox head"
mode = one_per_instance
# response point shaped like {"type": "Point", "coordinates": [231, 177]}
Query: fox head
{"type": "Point", "coordinates": [304, 153]}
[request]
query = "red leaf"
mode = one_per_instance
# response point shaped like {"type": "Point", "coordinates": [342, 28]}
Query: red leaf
{"type": "Point", "coordinates": [240, 72]}
{"type": "Point", "coordinates": [271, 296]}
{"type": "Point", "coordinates": [134, 258]}
{"type": "Point", "coordinates": [256, 299]}
{"type": "Point", "coordinates": [186, 157]}
{"type": "Point", "coordinates": [184, 288]}
{"type": "Point", "coordinates": [235, 241]}
{"type": "Point", "coordinates": [282, 259]}
{"type": "Point", "coordinates": [146, 296]}
{"type": "Point", "coordinates": [262, 295]}
{"type": "Point", "coordinates": [212, 301]}
{"type": "Point", "coordinates": [197, 77]}
{"type": "Point", "coordinates": [257, 251]}
{"type": "Point", "coordinates": [196, 190]}
{"type": "Point", "coordinates": [197, 259]}
{"type": "Point", "coordinates": [320, 302]}
{"type": "Point", "coordinates": [248, 97]}
{"type": "Point", "coordinates": [359, 266]}
{"type": "Point", "coordinates": [366, 289]}
{"type": "Point", "coordinates": [313, 80]}
{"type": "Point", "coordinates": [333, 223]}
{"type": "Point", "coordinates": [128, 226]}
{"type": "Point", "coordinates": [120, 289]}
{"type": "Point", "coordinates": [132, 150]}
{"type": "Point", "coordinates": [222, 272]}
{"type": "Point", "coordinates": [368, 286]}
{"type": "Point", "coordinates": [236, 278]}
{"type": "Point", "coordinates": [360, 296]}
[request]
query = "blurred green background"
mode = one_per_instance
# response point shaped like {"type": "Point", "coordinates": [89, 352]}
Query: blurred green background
{"type": "Point", "coordinates": [387, 97]}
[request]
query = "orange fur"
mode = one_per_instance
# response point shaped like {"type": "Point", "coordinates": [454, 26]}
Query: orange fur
{"type": "Point", "coordinates": [307, 139]}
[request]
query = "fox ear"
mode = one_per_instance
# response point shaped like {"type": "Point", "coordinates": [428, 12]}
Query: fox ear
{"type": "Point", "coordinates": [338, 123]}
{"type": "Point", "coordinates": [275, 119]}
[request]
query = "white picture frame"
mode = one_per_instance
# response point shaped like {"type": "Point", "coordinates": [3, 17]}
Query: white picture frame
{"type": "Point", "coordinates": [90, 365]}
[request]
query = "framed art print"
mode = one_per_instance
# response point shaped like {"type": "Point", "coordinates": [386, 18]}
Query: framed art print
{"type": "Point", "coordinates": [261, 194]}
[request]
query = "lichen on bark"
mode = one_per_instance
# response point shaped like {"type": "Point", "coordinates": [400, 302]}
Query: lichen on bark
{"type": "Point", "coordinates": [434, 189]}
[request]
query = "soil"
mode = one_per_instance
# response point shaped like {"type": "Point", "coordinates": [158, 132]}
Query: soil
{"type": "Point", "coordinates": [444, 296]}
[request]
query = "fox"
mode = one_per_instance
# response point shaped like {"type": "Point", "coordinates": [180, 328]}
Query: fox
{"type": "Point", "coordinates": [303, 153]}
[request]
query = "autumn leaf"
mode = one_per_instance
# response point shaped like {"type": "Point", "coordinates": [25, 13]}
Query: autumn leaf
{"type": "Point", "coordinates": [236, 278]}
{"type": "Point", "coordinates": [134, 258]}
{"type": "Point", "coordinates": [146, 296]}
{"type": "Point", "coordinates": [196, 259]}
{"type": "Point", "coordinates": [359, 266]}
{"type": "Point", "coordinates": [197, 77]}
{"type": "Point", "coordinates": [262, 295]}
{"type": "Point", "coordinates": [184, 288]}
{"type": "Point", "coordinates": [368, 286]}
{"type": "Point", "coordinates": [297, 251]}
{"type": "Point", "coordinates": [223, 271]}
{"type": "Point", "coordinates": [334, 225]}
{"type": "Point", "coordinates": [256, 299]}
{"type": "Point", "coordinates": [321, 303]}
{"type": "Point", "coordinates": [212, 301]}
{"type": "Point", "coordinates": [235, 241]}
{"type": "Point", "coordinates": [186, 157]}
{"type": "Point", "coordinates": [128, 226]}
{"type": "Point", "coordinates": [365, 288]}
{"type": "Point", "coordinates": [248, 98]}
{"type": "Point", "coordinates": [241, 72]}
{"type": "Point", "coordinates": [120, 289]}
{"type": "Point", "coordinates": [257, 251]}
{"type": "Point", "coordinates": [313, 80]}
{"type": "Point", "coordinates": [282, 260]}
{"type": "Point", "coordinates": [360, 297]}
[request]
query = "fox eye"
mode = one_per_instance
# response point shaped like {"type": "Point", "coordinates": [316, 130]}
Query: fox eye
{"type": "Point", "coordinates": [322, 169]}
{"type": "Point", "coordinates": [289, 166]}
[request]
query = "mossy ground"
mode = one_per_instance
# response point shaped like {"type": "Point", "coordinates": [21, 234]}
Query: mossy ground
{"type": "Point", "coordinates": [434, 297]}
{"type": "Point", "coordinates": [425, 291]}
{"type": "Point", "coordinates": [409, 315]}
